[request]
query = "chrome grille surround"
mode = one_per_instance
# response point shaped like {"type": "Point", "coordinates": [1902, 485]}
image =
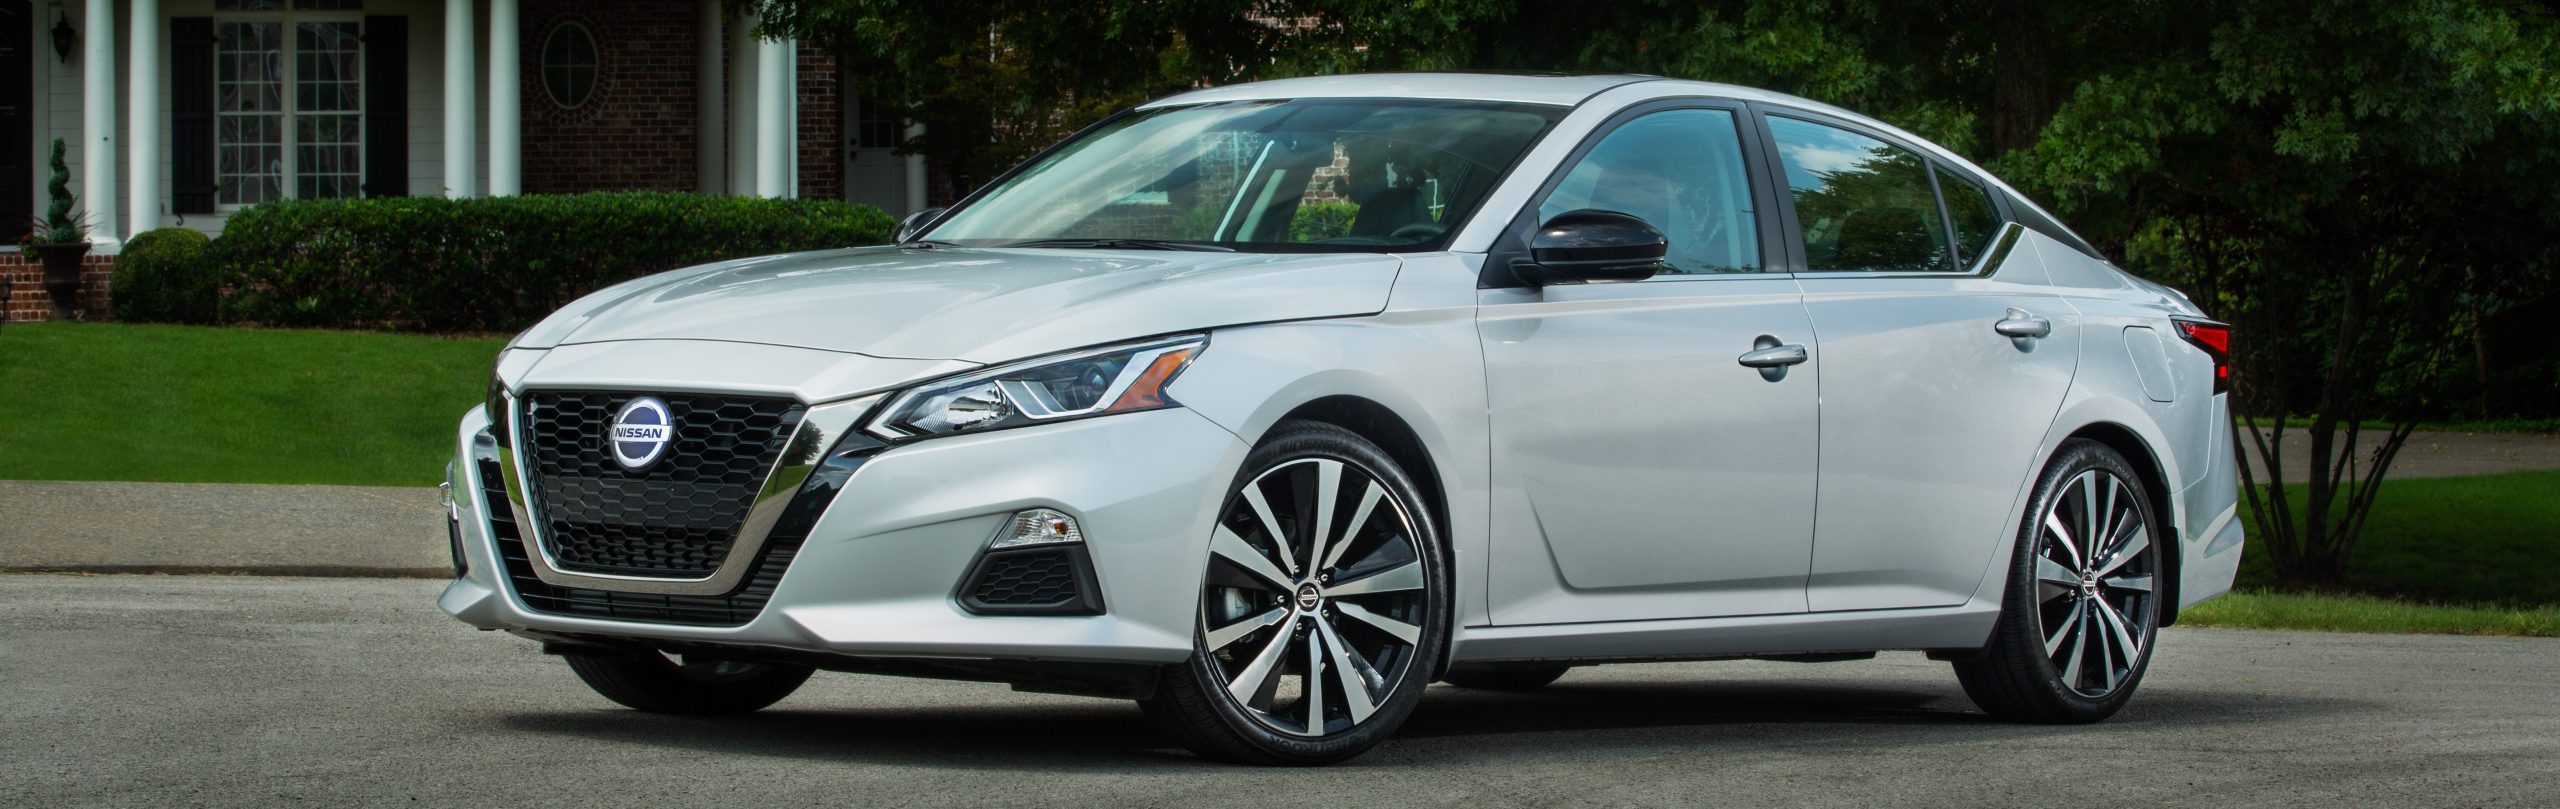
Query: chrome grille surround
{"type": "Point", "coordinates": [819, 428]}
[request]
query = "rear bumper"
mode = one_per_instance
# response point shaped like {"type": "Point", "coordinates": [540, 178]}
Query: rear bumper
{"type": "Point", "coordinates": [878, 574]}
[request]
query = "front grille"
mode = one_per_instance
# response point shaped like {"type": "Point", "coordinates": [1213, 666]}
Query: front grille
{"type": "Point", "coordinates": [738, 607]}
{"type": "Point", "coordinates": [676, 519]}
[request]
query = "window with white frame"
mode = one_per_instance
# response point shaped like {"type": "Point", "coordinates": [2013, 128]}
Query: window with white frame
{"type": "Point", "coordinates": [289, 100]}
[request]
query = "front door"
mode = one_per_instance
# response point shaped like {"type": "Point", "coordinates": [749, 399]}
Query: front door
{"type": "Point", "coordinates": [17, 119]}
{"type": "Point", "coordinates": [1640, 471]}
{"type": "Point", "coordinates": [875, 174]}
{"type": "Point", "coordinates": [1933, 400]}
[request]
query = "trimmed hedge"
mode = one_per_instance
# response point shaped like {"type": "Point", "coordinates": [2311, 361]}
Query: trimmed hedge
{"type": "Point", "coordinates": [496, 264]}
{"type": "Point", "coordinates": [164, 276]}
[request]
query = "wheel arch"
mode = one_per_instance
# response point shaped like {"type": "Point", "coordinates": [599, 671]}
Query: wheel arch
{"type": "Point", "coordinates": [2155, 484]}
{"type": "Point", "coordinates": [1383, 427]}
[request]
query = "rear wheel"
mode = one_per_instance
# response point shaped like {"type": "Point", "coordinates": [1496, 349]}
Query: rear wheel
{"type": "Point", "coordinates": [687, 685]}
{"type": "Point", "coordinates": [1504, 679]}
{"type": "Point", "coordinates": [2081, 608]}
{"type": "Point", "coordinates": [1323, 611]}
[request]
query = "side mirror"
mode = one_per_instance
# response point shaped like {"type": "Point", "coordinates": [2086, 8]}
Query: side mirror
{"type": "Point", "coordinates": [1592, 246]}
{"type": "Point", "coordinates": [915, 223]}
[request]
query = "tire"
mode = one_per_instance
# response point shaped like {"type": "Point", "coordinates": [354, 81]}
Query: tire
{"type": "Point", "coordinates": [1368, 609]}
{"type": "Point", "coordinates": [1504, 679]}
{"type": "Point", "coordinates": [651, 682]}
{"type": "Point", "coordinates": [2076, 630]}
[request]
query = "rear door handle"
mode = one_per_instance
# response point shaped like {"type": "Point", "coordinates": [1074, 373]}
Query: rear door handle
{"type": "Point", "coordinates": [2021, 325]}
{"type": "Point", "coordinates": [1772, 356]}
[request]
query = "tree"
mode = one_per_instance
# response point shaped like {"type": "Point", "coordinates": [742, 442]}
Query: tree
{"type": "Point", "coordinates": [2355, 186]}
{"type": "Point", "coordinates": [2333, 179]}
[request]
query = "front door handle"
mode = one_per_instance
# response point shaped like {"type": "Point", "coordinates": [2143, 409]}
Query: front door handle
{"type": "Point", "coordinates": [1772, 356]}
{"type": "Point", "coordinates": [2021, 325]}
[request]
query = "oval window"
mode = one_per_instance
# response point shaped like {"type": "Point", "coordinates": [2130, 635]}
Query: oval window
{"type": "Point", "coordinates": [569, 65]}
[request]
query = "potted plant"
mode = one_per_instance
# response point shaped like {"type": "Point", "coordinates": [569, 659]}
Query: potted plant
{"type": "Point", "coordinates": [61, 239]}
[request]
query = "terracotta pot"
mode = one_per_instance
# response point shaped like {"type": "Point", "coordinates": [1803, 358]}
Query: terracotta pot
{"type": "Point", "coordinates": [62, 276]}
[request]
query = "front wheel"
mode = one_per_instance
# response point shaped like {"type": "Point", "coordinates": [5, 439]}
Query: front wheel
{"type": "Point", "coordinates": [1323, 612]}
{"type": "Point", "coordinates": [2082, 604]}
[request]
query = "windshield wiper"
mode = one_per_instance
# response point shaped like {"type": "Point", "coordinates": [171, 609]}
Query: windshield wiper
{"type": "Point", "coordinates": [1123, 244]}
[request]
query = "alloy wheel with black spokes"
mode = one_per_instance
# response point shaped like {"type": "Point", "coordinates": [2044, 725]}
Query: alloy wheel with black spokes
{"type": "Point", "coordinates": [2094, 583]}
{"type": "Point", "coordinates": [1321, 609]}
{"type": "Point", "coordinates": [2082, 611]}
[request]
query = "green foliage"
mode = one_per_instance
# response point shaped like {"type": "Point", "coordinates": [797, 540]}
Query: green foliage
{"type": "Point", "coordinates": [61, 223]}
{"type": "Point", "coordinates": [1316, 221]}
{"type": "Point", "coordinates": [496, 264]}
{"type": "Point", "coordinates": [165, 276]}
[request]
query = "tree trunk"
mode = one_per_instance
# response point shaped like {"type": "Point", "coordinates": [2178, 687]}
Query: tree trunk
{"type": "Point", "coordinates": [2021, 74]}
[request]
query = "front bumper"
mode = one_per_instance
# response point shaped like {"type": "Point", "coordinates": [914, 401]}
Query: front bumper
{"type": "Point", "coordinates": [878, 572]}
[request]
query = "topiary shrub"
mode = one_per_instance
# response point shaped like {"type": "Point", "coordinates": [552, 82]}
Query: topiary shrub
{"type": "Point", "coordinates": [496, 264]}
{"type": "Point", "coordinates": [165, 276]}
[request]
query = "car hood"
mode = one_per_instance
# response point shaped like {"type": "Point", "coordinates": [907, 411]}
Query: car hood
{"type": "Point", "coordinates": [973, 304]}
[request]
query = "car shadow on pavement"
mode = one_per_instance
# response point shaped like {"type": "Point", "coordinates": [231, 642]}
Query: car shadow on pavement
{"type": "Point", "coordinates": [1451, 726]}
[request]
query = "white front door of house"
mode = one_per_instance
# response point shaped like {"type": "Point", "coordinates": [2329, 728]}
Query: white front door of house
{"type": "Point", "coordinates": [874, 173]}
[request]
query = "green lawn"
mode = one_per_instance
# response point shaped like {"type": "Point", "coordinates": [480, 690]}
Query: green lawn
{"type": "Point", "coordinates": [2492, 539]}
{"type": "Point", "coordinates": [2331, 613]}
{"type": "Point", "coordinates": [104, 401]}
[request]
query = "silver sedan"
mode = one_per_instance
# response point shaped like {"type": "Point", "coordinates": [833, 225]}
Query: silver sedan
{"type": "Point", "coordinates": [1269, 405]}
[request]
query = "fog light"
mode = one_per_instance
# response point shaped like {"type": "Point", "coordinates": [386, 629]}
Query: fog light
{"type": "Point", "coordinates": [1039, 526]}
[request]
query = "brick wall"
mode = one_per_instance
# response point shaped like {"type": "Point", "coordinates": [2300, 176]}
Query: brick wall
{"type": "Point", "coordinates": [24, 275]}
{"type": "Point", "coordinates": [638, 131]}
{"type": "Point", "coordinates": [821, 125]}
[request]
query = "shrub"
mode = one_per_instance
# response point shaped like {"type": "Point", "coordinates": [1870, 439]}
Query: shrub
{"type": "Point", "coordinates": [164, 276]}
{"type": "Point", "coordinates": [1316, 221]}
{"type": "Point", "coordinates": [501, 263]}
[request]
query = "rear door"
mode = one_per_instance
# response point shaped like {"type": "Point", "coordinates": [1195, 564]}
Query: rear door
{"type": "Point", "coordinates": [1944, 360]}
{"type": "Point", "coordinates": [1640, 471]}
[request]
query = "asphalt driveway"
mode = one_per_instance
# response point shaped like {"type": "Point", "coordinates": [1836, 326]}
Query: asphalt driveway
{"type": "Point", "coordinates": [208, 690]}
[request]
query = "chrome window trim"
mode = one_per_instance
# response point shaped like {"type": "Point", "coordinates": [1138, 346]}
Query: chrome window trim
{"type": "Point", "coordinates": [821, 426]}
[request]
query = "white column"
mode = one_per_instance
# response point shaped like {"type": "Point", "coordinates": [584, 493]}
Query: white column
{"type": "Point", "coordinates": [711, 144]}
{"type": "Point", "coordinates": [773, 118]}
{"type": "Point", "coordinates": [461, 103]}
{"type": "Point", "coordinates": [743, 68]}
{"type": "Point", "coordinates": [98, 120]}
{"type": "Point", "coordinates": [143, 141]}
{"type": "Point", "coordinates": [791, 119]}
{"type": "Point", "coordinates": [915, 173]}
{"type": "Point", "coordinates": [506, 101]}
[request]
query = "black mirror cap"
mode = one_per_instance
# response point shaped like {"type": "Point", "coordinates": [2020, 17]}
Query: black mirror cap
{"type": "Point", "coordinates": [915, 223]}
{"type": "Point", "coordinates": [1591, 245]}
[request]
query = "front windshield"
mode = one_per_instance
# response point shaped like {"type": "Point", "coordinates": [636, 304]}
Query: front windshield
{"type": "Point", "coordinates": [1307, 175]}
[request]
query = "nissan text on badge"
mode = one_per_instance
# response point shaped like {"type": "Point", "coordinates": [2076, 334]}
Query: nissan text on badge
{"type": "Point", "coordinates": [1267, 406]}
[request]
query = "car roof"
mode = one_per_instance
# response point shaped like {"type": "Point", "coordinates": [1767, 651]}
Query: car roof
{"type": "Point", "coordinates": [1571, 90]}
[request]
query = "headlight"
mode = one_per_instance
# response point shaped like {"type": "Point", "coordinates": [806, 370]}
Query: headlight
{"type": "Point", "coordinates": [1124, 378]}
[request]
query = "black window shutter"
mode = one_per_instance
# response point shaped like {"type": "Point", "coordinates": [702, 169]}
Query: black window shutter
{"type": "Point", "coordinates": [386, 106]}
{"type": "Point", "coordinates": [191, 186]}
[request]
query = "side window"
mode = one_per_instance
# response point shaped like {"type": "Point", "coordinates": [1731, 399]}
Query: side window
{"type": "Point", "coordinates": [1864, 205]}
{"type": "Point", "coordinates": [1681, 171]}
{"type": "Point", "coordinates": [1969, 208]}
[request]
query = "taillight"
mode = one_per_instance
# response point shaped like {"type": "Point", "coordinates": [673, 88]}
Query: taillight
{"type": "Point", "coordinates": [2215, 339]}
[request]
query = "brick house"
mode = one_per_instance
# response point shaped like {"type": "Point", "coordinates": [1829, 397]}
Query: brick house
{"type": "Point", "coordinates": [207, 106]}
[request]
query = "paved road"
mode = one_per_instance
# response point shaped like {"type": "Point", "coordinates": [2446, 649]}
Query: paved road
{"type": "Point", "coordinates": [149, 690]}
{"type": "Point", "coordinates": [2428, 454]}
